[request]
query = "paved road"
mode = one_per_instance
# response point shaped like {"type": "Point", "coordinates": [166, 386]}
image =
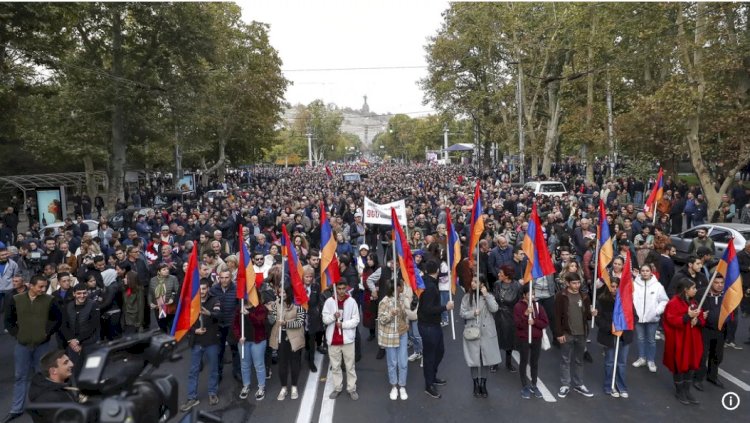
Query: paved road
{"type": "Point", "coordinates": [650, 399]}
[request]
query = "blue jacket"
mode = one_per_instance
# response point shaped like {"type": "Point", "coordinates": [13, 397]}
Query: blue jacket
{"type": "Point", "coordinates": [227, 301]}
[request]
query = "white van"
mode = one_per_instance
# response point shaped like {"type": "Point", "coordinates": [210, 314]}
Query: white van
{"type": "Point", "coordinates": [546, 188]}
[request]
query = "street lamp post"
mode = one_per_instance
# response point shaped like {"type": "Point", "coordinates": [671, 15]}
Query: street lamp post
{"type": "Point", "coordinates": [445, 143]}
{"type": "Point", "coordinates": [519, 109]}
{"type": "Point", "coordinates": [309, 147]}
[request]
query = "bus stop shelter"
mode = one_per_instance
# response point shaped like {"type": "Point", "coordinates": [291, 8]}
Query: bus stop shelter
{"type": "Point", "coordinates": [26, 183]}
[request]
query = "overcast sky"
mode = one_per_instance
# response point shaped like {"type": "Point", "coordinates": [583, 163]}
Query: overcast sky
{"type": "Point", "coordinates": [328, 34]}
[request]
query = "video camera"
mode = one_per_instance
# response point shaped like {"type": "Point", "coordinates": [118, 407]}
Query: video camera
{"type": "Point", "coordinates": [120, 388]}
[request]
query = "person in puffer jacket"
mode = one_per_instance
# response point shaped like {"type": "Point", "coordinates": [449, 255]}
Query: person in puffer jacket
{"type": "Point", "coordinates": [649, 300]}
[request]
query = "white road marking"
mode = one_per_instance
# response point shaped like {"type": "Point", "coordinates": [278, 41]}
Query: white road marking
{"type": "Point", "coordinates": [744, 386]}
{"type": "Point", "coordinates": [326, 408]}
{"type": "Point", "coordinates": [310, 394]}
{"type": "Point", "coordinates": [548, 396]}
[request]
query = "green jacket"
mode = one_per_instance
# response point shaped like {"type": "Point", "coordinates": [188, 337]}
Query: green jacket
{"type": "Point", "coordinates": [32, 323]}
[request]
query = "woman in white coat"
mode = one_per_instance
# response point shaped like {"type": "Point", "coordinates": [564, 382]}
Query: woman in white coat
{"type": "Point", "coordinates": [649, 299]}
{"type": "Point", "coordinates": [480, 347]}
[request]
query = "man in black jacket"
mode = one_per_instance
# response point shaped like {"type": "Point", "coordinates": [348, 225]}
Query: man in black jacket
{"type": "Point", "coordinates": [52, 385]}
{"type": "Point", "coordinates": [204, 342]}
{"type": "Point", "coordinates": [713, 337]}
{"type": "Point", "coordinates": [428, 316]}
{"type": "Point", "coordinates": [81, 324]}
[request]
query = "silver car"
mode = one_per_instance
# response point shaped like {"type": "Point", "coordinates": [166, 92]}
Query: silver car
{"type": "Point", "coordinates": [720, 233]}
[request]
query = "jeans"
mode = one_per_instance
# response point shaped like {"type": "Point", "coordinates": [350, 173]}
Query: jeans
{"type": "Point", "coordinates": [25, 359]}
{"type": "Point", "coordinates": [444, 297]}
{"type": "Point", "coordinates": [416, 339]}
{"type": "Point", "coordinates": [609, 365]}
{"type": "Point", "coordinates": [254, 354]}
{"type": "Point", "coordinates": [434, 349]}
{"type": "Point", "coordinates": [646, 333]}
{"type": "Point", "coordinates": [398, 360]}
{"type": "Point", "coordinates": [224, 332]}
{"type": "Point", "coordinates": [572, 350]}
{"type": "Point", "coordinates": [211, 352]}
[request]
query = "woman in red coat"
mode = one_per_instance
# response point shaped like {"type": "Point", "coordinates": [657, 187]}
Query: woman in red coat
{"type": "Point", "coordinates": [683, 343]}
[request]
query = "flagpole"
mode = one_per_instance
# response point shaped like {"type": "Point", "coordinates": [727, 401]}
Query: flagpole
{"type": "Point", "coordinates": [614, 369]}
{"type": "Point", "coordinates": [242, 328]}
{"type": "Point", "coordinates": [531, 301]}
{"type": "Point", "coordinates": [395, 287]}
{"type": "Point", "coordinates": [450, 281]}
{"type": "Point", "coordinates": [281, 298]}
{"type": "Point", "coordinates": [653, 221]}
{"type": "Point", "coordinates": [596, 272]}
{"type": "Point", "coordinates": [700, 305]}
{"type": "Point", "coordinates": [479, 281]}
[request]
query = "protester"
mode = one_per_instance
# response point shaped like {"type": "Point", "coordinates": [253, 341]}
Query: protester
{"type": "Point", "coordinates": [341, 317]}
{"type": "Point", "coordinates": [606, 304]}
{"type": "Point", "coordinates": [288, 337]}
{"type": "Point", "coordinates": [683, 343]}
{"type": "Point", "coordinates": [649, 299]}
{"type": "Point", "coordinates": [392, 336]}
{"type": "Point", "coordinates": [32, 318]}
{"type": "Point", "coordinates": [712, 335]}
{"type": "Point", "coordinates": [482, 351]}
{"type": "Point", "coordinates": [204, 345]}
{"type": "Point", "coordinates": [429, 317]}
{"type": "Point", "coordinates": [252, 342]}
{"type": "Point", "coordinates": [525, 315]}
{"type": "Point", "coordinates": [507, 293]}
{"type": "Point", "coordinates": [81, 325]}
{"type": "Point", "coordinates": [572, 313]}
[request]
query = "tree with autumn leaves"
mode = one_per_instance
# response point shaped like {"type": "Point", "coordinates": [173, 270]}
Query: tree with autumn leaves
{"type": "Point", "coordinates": [679, 75]}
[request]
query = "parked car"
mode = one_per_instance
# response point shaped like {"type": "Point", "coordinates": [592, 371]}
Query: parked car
{"type": "Point", "coordinates": [122, 221]}
{"type": "Point", "coordinates": [93, 227]}
{"type": "Point", "coordinates": [546, 188]}
{"type": "Point", "coordinates": [720, 233]}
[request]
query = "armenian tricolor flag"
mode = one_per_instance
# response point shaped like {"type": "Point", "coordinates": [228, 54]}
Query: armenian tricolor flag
{"type": "Point", "coordinates": [477, 224]}
{"type": "Point", "coordinates": [622, 316]}
{"type": "Point", "coordinates": [729, 266]}
{"type": "Point", "coordinates": [189, 303]}
{"type": "Point", "coordinates": [656, 193]}
{"type": "Point", "coordinates": [329, 266]}
{"type": "Point", "coordinates": [295, 269]}
{"type": "Point", "coordinates": [409, 270]}
{"type": "Point", "coordinates": [454, 249]}
{"type": "Point", "coordinates": [606, 251]}
{"type": "Point", "coordinates": [246, 288]}
{"type": "Point", "coordinates": [539, 261]}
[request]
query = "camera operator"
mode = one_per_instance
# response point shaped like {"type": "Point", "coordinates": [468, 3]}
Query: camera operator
{"type": "Point", "coordinates": [81, 324]}
{"type": "Point", "coordinates": [34, 257]}
{"type": "Point", "coordinates": [52, 385]}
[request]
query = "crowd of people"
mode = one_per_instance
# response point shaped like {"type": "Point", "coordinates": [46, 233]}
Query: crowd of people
{"type": "Point", "coordinates": [64, 292]}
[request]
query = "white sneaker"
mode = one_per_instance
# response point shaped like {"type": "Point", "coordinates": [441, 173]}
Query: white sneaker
{"type": "Point", "coordinates": [652, 367]}
{"type": "Point", "coordinates": [659, 336]}
{"type": "Point", "coordinates": [394, 393]}
{"type": "Point", "coordinates": [640, 362]}
{"type": "Point", "coordinates": [295, 394]}
{"type": "Point", "coordinates": [282, 394]}
{"type": "Point", "coordinates": [415, 357]}
{"type": "Point", "coordinates": [402, 393]}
